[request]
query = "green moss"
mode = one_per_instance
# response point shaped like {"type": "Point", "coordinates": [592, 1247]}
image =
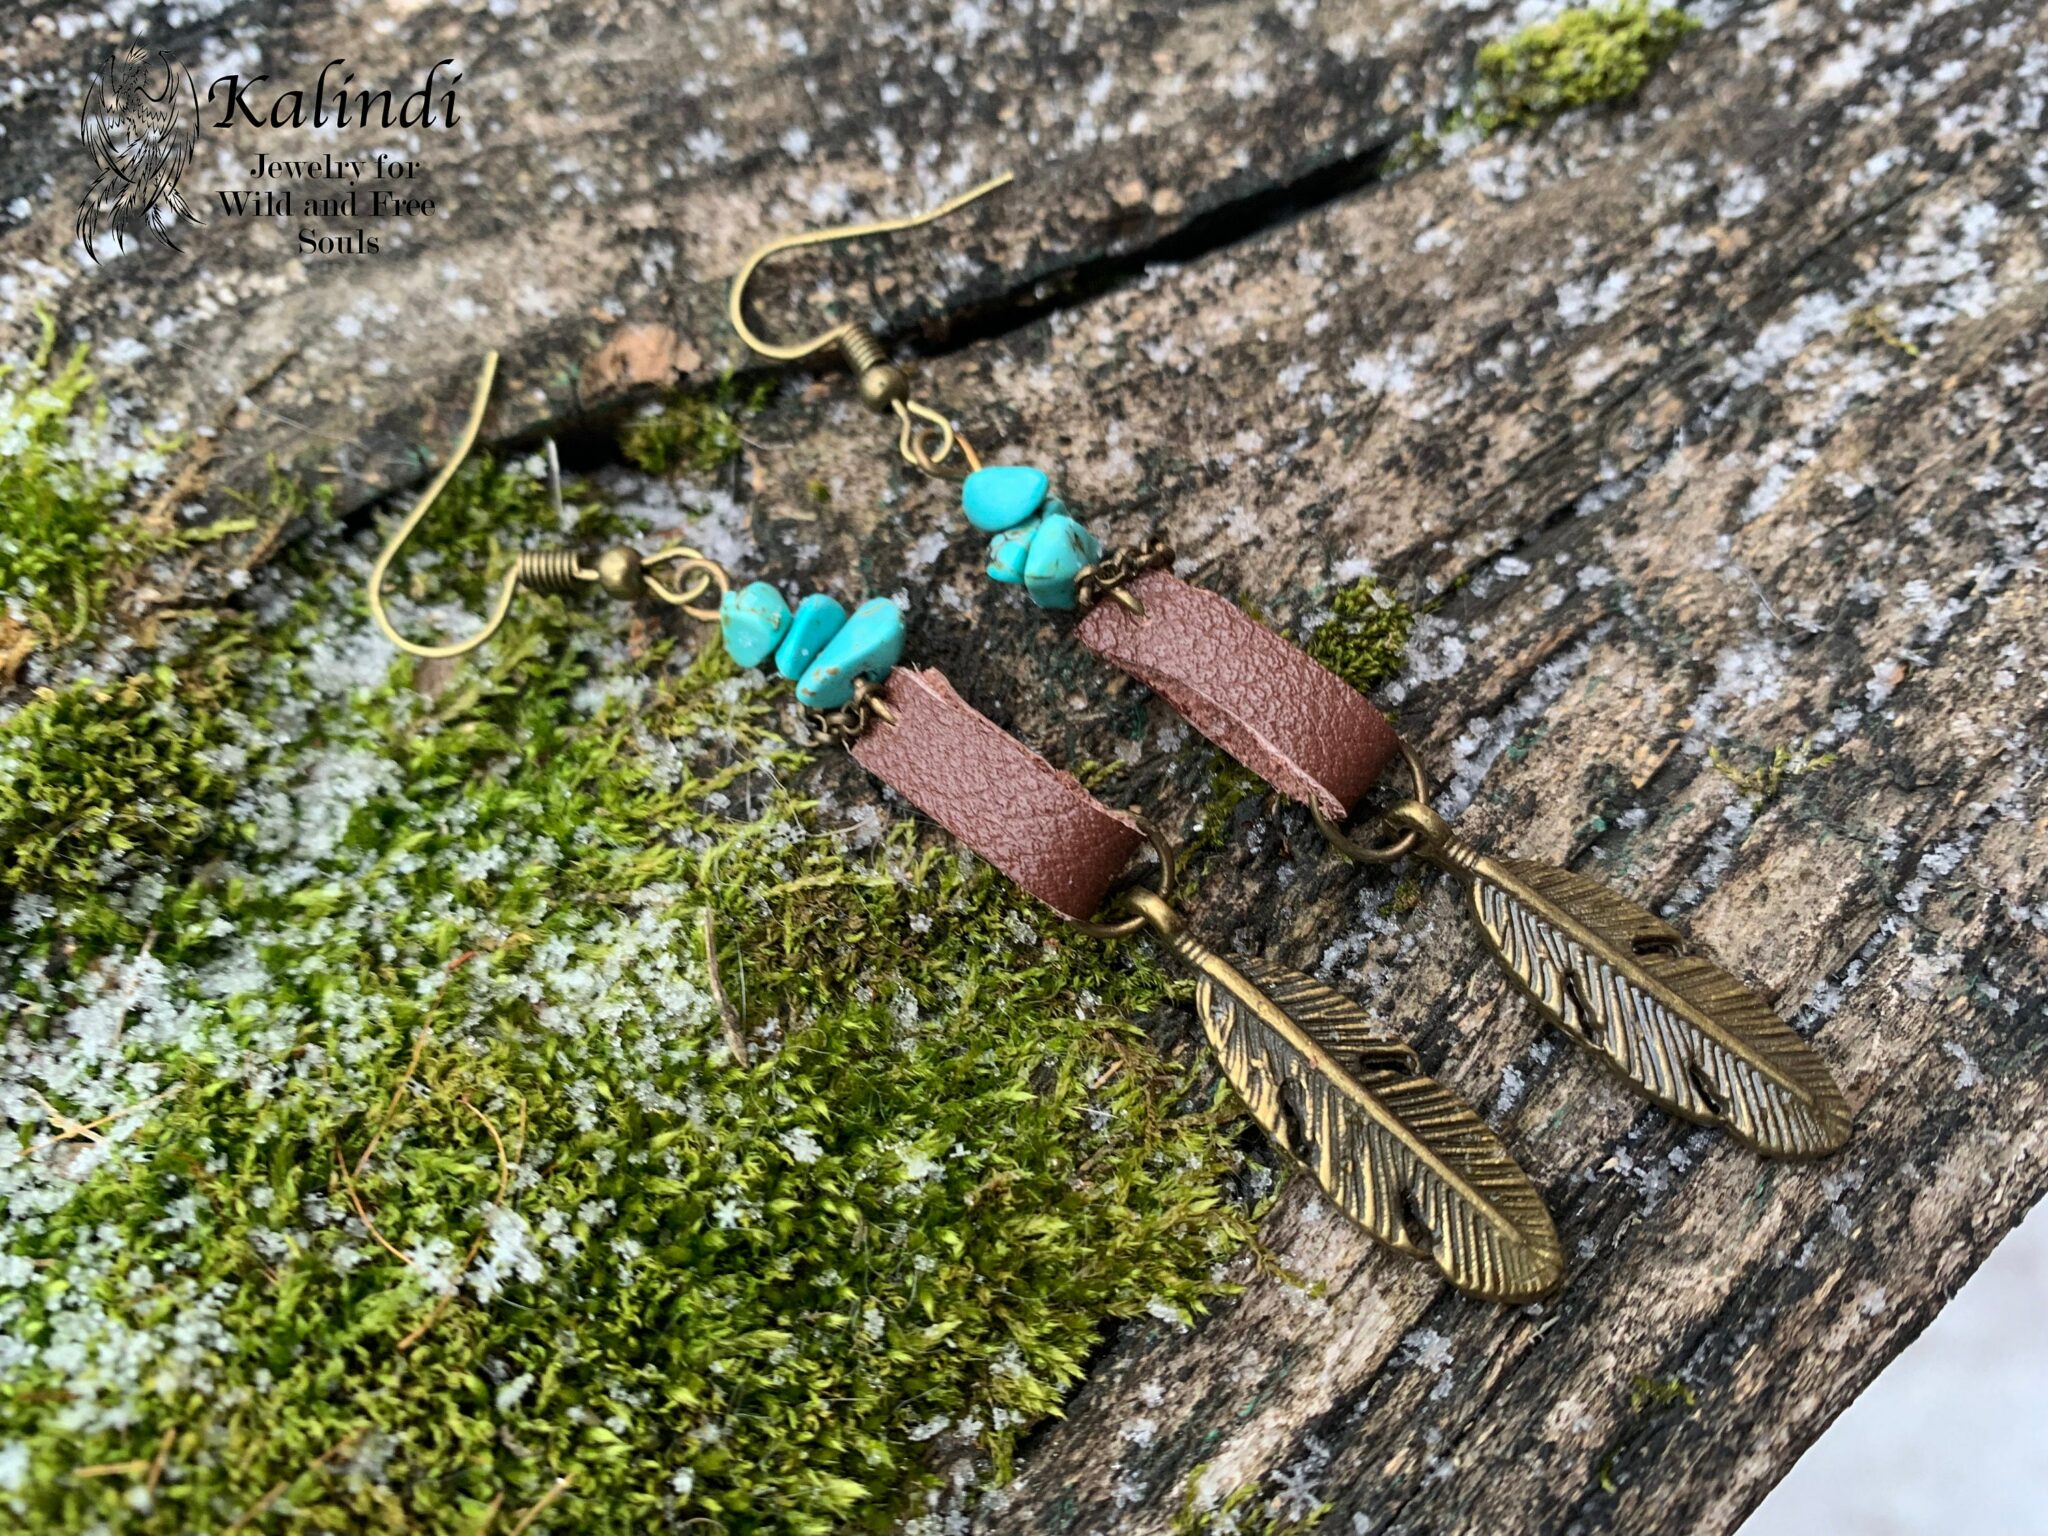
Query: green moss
{"type": "Point", "coordinates": [1877, 325]}
{"type": "Point", "coordinates": [1650, 1394]}
{"type": "Point", "coordinates": [1418, 150]}
{"type": "Point", "coordinates": [102, 782]}
{"type": "Point", "coordinates": [58, 490]}
{"type": "Point", "coordinates": [1588, 56]}
{"type": "Point", "coordinates": [1231, 785]}
{"type": "Point", "coordinates": [1406, 898]}
{"type": "Point", "coordinates": [440, 973]}
{"type": "Point", "coordinates": [283, 504]}
{"type": "Point", "coordinates": [1242, 1512]}
{"type": "Point", "coordinates": [1458, 583]}
{"type": "Point", "coordinates": [1652, 1400]}
{"type": "Point", "coordinates": [1763, 782]}
{"type": "Point", "coordinates": [696, 432]}
{"type": "Point", "coordinates": [1526, 742]}
{"type": "Point", "coordinates": [1365, 641]}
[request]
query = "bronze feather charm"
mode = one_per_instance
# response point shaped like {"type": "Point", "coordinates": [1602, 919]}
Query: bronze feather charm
{"type": "Point", "coordinates": [1395, 1150]}
{"type": "Point", "coordinates": [1619, 981]}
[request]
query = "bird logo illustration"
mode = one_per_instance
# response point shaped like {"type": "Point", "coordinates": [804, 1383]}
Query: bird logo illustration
{"type": "Point", "coordinates": [141, 139]}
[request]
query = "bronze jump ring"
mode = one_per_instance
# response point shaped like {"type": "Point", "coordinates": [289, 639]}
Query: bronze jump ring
{"type": "Point", "coordinates": [1387, 853]}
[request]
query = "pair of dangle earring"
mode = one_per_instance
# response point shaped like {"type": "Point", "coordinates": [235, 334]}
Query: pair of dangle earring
{"type": "Point", "coordinates": [1621, 983]}
{"type": "Point", "coordinates": [1404, 1156]}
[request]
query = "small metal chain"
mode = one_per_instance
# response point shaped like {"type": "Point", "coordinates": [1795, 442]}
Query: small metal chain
{"type": "Point", "coordinates": [1112, 574]}
{"type": "Point", "coordinates": [844, 725]}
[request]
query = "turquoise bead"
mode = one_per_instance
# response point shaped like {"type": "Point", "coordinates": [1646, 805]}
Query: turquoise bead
{"type": "Point", "coordinates": [751, 621]}
{"type": "Point", "coordinates": [1059, 551]}
{"type": "Point", "coordinates": [1006, 551]}
{"type": "Point", "coordinates": [817, 619]}
{"type": "Point", "coordinates": [868, 646]}
{"type": "Point", "coordinates": [1002, 495]}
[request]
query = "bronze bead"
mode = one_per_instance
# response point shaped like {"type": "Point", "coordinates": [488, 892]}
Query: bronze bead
{"type": "Point", "coordinates": [618, 568]}
{"type": "Point", "coordinates": [882, 386]}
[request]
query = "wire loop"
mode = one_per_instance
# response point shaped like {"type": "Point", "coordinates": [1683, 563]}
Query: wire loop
{"type": "Point", "coordinates": [702, 573]}
{"type": "Point", "coordinates": [1124, 927]}
{"type": "Point", "coordinates": [911, 440]}
{"type": "Point", "coordinates": [1385, 853]}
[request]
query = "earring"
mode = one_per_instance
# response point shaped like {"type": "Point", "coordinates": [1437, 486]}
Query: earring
{"type": "Point", "coordinates": [1395, 1150]}
{"type": "Point", "coordinates": [1411, 1162]}
{"type": "Point", "coordinates": [1620, 982]}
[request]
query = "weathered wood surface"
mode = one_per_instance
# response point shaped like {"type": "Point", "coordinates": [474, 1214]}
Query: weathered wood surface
{"type": "Point", "coordinates": [1727, 413]}
{"type": "Point", "coordinates": [612, 163]}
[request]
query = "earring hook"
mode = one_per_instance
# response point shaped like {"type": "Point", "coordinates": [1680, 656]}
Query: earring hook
{"type": "Point", "coordinates": [883, 386]}
{"type": "Point", "coordinates": [621, 571]}
{"type": "Point", "coordinates": [791, 352]}
{"type": "Point", "coordinates": [428, 497]}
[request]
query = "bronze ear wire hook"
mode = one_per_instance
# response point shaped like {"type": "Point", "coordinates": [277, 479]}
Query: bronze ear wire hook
{"type": "Point", "coordinates": [621, 571]}
{"type": "Point", "coordinates": [926, 438]}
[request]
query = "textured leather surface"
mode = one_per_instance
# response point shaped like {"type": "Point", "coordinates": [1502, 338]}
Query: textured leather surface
{"type": "Point", "coordinates": [1032, 821]}
{"type": "Point", "coordinates": [1298, 726]}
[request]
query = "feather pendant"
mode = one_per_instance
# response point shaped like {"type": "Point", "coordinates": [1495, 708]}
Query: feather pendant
{"type": "Point", "coordinates": [1619, 981]}
{"type": "Point", "coordinates": [1395, 1150]}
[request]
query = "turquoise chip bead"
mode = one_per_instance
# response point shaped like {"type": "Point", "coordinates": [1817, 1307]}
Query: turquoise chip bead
{"type": "Point", "coordinates": [1007, 549]}
{"type": "Point", "coordinates": [751, 621]}
{"type": "Point", "coordinates": [816, 620]}
{"type": "Point", "coordinates": [869, 644]}
{"type": "Point", "coordinates": [1002, 495]}
{"type": "Point", "coordinates": [1059, 551]}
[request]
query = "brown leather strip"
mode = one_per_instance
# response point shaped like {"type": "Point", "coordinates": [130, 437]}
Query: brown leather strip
{"type": "Point", "coordinates": [1032, 821]}
{"type": "Point", "coordinates": [1265, 701]}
